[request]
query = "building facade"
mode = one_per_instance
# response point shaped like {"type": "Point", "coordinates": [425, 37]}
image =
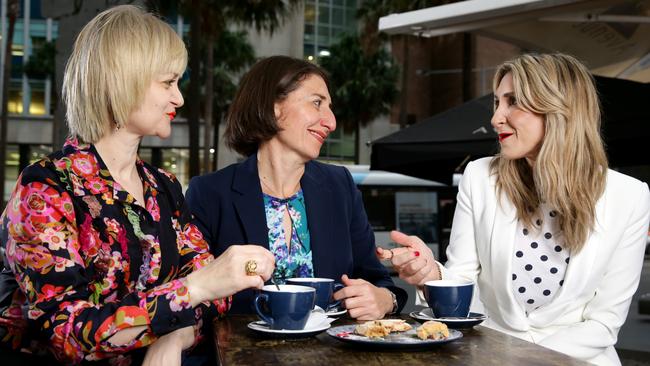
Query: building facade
{"type": "Point", "coordinates": [306, 34]}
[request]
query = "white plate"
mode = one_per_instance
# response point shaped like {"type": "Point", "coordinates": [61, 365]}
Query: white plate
{"type": "Point", "coordinates": [472, 319]}
{"type": "Point", "coordinates": [262, 327]}
{"type": "Point", "coordinates": [408, 339]}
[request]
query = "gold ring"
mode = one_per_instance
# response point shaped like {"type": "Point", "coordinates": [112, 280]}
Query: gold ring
{"type": "Point", "coordinates": [251, 267]}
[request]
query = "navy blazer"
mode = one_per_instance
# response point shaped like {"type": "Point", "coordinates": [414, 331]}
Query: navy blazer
{"type": "Point", "coordinates": [228, 208]}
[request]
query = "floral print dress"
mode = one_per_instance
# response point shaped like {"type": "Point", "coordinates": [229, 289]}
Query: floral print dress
{"type": "Point", "coordinates": [90, 261]}
{"type": "Point", "coordinates": [292, 260]}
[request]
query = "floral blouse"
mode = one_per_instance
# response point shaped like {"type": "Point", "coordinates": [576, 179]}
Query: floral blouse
{"type": "Point", "coordinates": [295, 262]}
{"type": "Point", "coordinates": [90, 262]}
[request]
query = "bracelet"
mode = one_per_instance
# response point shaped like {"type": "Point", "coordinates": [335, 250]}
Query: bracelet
{"type": "Point", "coordinates": [395, 304]}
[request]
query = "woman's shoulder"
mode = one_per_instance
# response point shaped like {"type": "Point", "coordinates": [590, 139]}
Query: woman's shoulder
{"type": "Point", "coordinates": [327, 168]}
{"type": "Point", "coordinates": [48, 169]}
{"type": "Point", "coordinates": [479, 167]}
{"type": "Point", "coordinates": [217, 180]}
{"type": "Point", "coordinates": [328, 172]}
{"type": "Point", "coordinates": [623, 185]}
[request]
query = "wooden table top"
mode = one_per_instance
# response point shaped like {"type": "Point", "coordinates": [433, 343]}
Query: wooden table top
{"type": "Point", "coordinates": [238, 345]}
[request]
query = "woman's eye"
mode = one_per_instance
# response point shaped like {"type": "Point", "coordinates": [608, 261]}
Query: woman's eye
{"type": "Point", "coordinates": [512, 101]}
{"type": "Point", "coordinates": [317, 102]}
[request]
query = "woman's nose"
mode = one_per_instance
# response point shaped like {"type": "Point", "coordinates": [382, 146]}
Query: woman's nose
{"type": "Point", "coordinates": [498, 118]}
{"type": "Point", "coordinates": [329, 121]}
{"type": "Point", "coordinates": [177, 98]}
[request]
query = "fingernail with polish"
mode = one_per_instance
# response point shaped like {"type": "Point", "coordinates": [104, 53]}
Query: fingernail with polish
{"type": "Point", "coordinates": [417, 254]}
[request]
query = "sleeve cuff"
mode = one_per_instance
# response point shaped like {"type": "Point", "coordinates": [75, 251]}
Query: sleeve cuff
{"type": "Point", "coordinates": [169, 308]}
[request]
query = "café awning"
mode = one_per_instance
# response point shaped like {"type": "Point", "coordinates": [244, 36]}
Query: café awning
{"type": "Point", "coordinates": [611, 36]}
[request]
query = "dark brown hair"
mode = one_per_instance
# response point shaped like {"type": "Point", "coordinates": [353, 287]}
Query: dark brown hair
{"type": "Point", "coordinates": [251, 116]}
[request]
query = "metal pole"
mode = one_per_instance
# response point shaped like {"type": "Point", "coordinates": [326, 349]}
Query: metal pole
{"type": "Point", "coordinates": [3, 25]}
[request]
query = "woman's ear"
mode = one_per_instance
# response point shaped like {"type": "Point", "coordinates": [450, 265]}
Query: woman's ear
{"type": "Point", "coordinates": [277, 110]}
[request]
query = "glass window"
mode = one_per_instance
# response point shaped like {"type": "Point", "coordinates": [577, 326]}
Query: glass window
{"type": "Point", "coordinates": [37, 102]}
{"type": "Point", "coordinates": [11, 170]}
{"type": "Point", "coordinates": [17, 63]}
{"type": "Point", "coordinates": [310, 13]}
{"type": "Point", "coordinates": [338, 16]}
{"type": "Point", "coordinates": [323, 14]}
{"type": "Point", "coordinates": [35, 9]}
{"type": "Point", "coordinates": [38, 28]}
{"type": "Point", "coordinates": [15, 102]}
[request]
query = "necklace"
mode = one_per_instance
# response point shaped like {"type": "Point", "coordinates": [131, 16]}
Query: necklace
{"type": "Point", "coordinates": [273, 191]}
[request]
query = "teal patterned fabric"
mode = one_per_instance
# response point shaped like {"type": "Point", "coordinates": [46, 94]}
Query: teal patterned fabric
{"type": "Point", "coordinates": [296, 262]}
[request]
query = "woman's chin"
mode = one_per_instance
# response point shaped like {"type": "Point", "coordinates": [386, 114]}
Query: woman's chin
{"type": "Point", "coordinates": [163, 135]}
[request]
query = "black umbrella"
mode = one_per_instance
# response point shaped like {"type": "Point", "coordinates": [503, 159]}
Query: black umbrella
{"type": "Point", "coordinates": [441, 145]}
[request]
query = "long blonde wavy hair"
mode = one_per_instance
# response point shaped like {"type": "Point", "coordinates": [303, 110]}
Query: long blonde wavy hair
{"type": "Point", "coordinates": [570, 171]}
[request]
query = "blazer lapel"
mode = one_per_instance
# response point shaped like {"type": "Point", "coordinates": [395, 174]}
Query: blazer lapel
{"type": "Point", "coordinates": [248, 202]}
{"type": "Point", "coordinates": [318, 203]}
{"type": "Point", "coordinates": [501, 252]}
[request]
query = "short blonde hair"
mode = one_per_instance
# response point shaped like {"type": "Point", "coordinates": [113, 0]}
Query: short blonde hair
{"type": "Point", "coordinates": [570, 170]}
{"type": "Point", "coordinates": [114, 60]}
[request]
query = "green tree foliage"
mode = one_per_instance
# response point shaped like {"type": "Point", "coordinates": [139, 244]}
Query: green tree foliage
{"type": "Point", "coordinates": [362, 85]}
{"type": "Point", "coordinates": [41, 63]}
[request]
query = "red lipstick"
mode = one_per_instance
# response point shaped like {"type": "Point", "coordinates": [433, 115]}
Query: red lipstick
{"type": "Point", "coordinates": [171, 115]}
{"type": "Point", "coordinates": [503, 136]}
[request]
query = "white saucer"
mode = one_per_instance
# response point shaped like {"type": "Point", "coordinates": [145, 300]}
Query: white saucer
{"type": "Point", "coordinates": [262, 327]}
{"type": "Point", "coordinates": [336, 312]}
{"type": "Point", "coordinates": [332, 312]}
{"type": "Point", "coordinates": [471, 320]}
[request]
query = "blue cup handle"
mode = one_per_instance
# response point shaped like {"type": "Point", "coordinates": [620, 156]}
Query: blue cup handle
{"type": "Point", "coordinates": [335, 304]}
{"type": "Point", "coordinates": [260, 299]}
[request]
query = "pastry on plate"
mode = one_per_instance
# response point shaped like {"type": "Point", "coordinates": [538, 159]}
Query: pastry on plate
{"type": "Point", "coordinates": [381, 328]}
{"type": "Point", "coordinates": [432, 330]}
{"type": "Point", "coordinates": [396, 325]}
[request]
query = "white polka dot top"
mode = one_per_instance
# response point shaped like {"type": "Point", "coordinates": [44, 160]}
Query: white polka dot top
{"type": "Point", "coordinates": [539, 260]}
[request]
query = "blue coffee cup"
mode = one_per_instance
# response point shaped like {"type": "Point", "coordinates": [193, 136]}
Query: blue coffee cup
{"type": "Point", "coordinates": [324, 287]}
{"type": "Point", "coordinates": [449, 298]}
{"type": "Point", "coordinates": [288, 308]}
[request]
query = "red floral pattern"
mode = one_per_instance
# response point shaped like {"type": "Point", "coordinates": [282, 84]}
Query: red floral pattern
{"type": "Point", "coordinates": [74, 239]}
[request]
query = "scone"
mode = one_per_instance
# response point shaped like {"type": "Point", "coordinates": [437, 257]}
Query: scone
{"type": "Point", "coordinates": [372, 329]}
{"type": "Point", "coordinates": [432, 330]}
{"type": "Point", "coordinates": [381, 328]}
{"type": "Point", "coordinates": [396, 325]}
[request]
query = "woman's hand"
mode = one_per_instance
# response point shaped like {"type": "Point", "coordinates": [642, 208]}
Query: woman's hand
{"type": "Point", "coordinates": [413, 261]}
{"type": "Point", "coordinates": [167, 349]}
{"type": "Point", "coordinates": [226, 274]}
{"type": "Point", "coordinates": [364, 300]}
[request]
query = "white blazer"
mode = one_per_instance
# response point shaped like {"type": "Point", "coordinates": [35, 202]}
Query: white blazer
{"type": "Point", "coordinates": [585, 316]}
